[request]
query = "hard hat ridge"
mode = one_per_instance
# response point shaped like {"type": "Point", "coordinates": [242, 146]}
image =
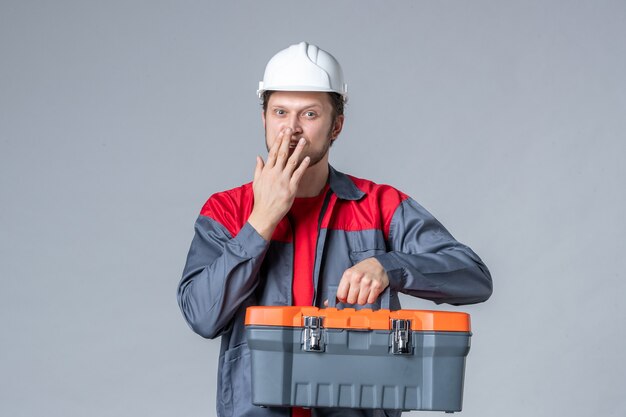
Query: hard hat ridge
{"type": "Point", "coordinates": [303, 67]}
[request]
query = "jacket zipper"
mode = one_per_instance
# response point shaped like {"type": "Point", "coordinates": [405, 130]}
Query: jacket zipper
{"type": "Point", "coordinates": [293, 259]}
{"type": "Point", "coordinates": [316, 289]}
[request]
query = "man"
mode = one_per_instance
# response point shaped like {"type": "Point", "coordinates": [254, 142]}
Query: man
{"type": "Point", "coordinates": [302, 229]}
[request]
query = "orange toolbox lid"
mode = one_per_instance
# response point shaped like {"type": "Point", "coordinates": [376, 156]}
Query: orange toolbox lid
{"type": "Point", "coordinates": [365, 319]}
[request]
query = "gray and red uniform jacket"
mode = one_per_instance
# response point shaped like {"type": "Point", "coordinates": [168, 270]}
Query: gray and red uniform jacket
{"type": "Point", "coordinates": [230, 267]}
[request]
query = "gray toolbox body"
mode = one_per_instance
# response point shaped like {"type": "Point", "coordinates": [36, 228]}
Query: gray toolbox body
{"type": "Point", "coordinates": [403, 360]}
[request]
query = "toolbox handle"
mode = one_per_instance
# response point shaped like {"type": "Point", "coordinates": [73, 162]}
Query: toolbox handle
{"type": "Point", "coordinates": [384, 297]}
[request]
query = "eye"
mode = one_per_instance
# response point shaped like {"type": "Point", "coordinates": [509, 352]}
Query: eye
{"type": "Point", "coordinates": [279, 112]}
{"type": "Point", "coordinates": [310, 114]}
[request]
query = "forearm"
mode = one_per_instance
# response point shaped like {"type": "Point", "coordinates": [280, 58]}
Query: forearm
{"type": "Point", "coordinates": [455, 275]}
{"type": "Point", "coordinates": [426, 261]}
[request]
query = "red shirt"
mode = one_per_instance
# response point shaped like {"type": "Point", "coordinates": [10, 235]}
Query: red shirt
{"type": "Point", "coordinates": [304, 216]}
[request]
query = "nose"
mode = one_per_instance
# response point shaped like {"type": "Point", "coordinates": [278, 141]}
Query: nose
{"type": "Point", "coordinates": [294, 123]}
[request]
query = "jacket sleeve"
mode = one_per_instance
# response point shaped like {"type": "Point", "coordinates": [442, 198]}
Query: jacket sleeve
{"type": "Point", "coordinates": [427, 262]}
{"type": "Point", "coordinates": [221, 272]}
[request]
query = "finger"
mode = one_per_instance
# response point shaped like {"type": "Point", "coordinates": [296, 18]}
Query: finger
{"type": "Point", "coordinates": [344, 286]}
{"type": "Point", "coordinates": [364, 293]}
{"type": "Point", "coordinates": [348, 290]}
{"type": "Point", "coordinates": [292, 163]}
{"type": "Point", "coordinates": [273, 152]}
{"type": "Point", "coordinates": [258, 168]}
{"type": "Point", "coordinates": [375, 291]}
{"type": "Point", "coordinates": [353, 294]}
{"type": "Point", "coordinates": [298, 173]}
{"type": "Point", "coordinates": [283, 151]}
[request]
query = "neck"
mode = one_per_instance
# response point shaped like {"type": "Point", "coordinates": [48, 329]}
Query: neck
{"type": "Point", "coordinates": [313, 180]}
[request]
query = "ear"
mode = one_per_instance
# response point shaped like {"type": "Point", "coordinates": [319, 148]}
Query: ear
{"type": "Point", "coordinates": [336, 130]}
{"type": "Point", "coordinates": [263, 118]}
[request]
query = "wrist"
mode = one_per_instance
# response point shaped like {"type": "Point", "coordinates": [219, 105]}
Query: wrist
{"type": "Point", "coordinates": [263, 227]}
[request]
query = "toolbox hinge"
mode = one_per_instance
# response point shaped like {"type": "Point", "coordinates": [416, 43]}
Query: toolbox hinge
{"type": "Point", "coordinates": [313, 337]}
{"type": "Point", "coordinates": [401, 337]}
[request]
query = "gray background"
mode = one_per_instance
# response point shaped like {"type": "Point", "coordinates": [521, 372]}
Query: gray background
{"type": "Point", "coordinates": [118, 119]}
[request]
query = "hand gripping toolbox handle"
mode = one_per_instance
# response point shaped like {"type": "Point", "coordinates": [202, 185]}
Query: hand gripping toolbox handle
{"type": "Point", "coordinates": [385, 298]}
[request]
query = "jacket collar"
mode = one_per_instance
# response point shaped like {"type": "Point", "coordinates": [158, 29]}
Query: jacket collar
{"type": "Point", "coordinates": [343, 186]}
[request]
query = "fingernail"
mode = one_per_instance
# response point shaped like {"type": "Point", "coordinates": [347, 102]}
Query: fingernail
{"type": "Point", "coordinates": [302, 141]}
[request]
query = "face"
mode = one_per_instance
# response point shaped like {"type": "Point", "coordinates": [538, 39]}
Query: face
{"type": "Point", "coordinates": [308, 115]}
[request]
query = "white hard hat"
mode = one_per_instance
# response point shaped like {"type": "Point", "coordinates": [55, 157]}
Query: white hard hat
{"type": "Point", "coordinates": [303, 67]}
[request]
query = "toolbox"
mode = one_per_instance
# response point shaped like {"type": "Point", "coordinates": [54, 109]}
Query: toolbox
{"type": "Point", "coordinates": [347, 358]}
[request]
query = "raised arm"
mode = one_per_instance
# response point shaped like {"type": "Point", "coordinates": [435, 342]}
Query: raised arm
{"type": "Point", "coordinates": [221, 272]}
{"type": "Point", "coordinates": [224, 260]}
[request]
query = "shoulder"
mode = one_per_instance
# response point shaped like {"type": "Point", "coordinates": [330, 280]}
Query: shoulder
{"type": "Point", "coordinates": [384, 196]}
{"type": "Point", "coordinates": [230, 208]}
{"type": "Point", "coordinates": [228, 199]}
{"type": "Point", "coordinates": [375, 209]}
